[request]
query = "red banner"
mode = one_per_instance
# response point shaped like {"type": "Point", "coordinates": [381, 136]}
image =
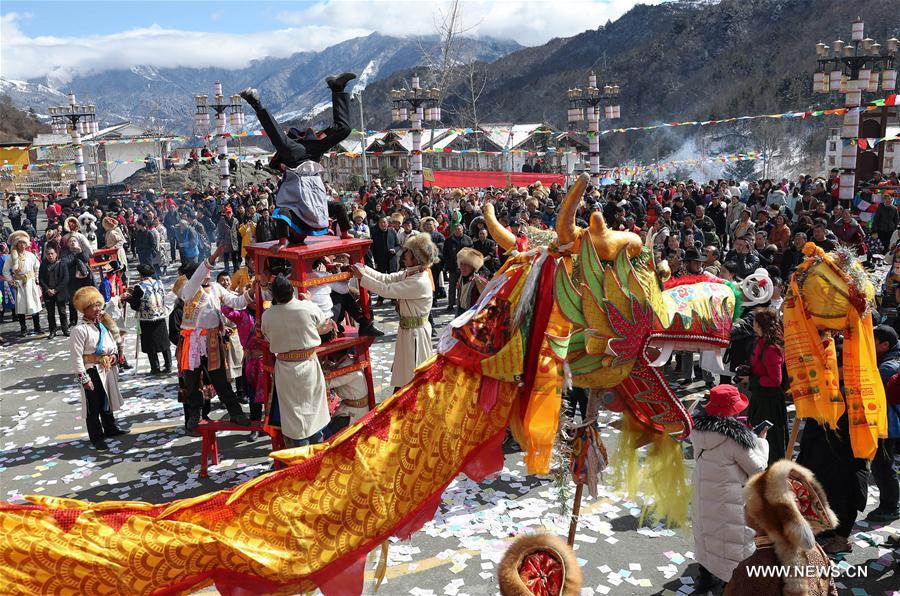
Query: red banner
{"type": "Point", "coordinates": [461, 178]}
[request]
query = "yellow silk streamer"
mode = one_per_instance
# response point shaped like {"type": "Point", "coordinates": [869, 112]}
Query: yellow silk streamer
{"type": "Point", "coordinates": [862, 384]}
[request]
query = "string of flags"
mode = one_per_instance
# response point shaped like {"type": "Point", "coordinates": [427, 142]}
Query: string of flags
{"type": "Point", "coordinates": [638, 169]}
{"type": "Point", "coordinates": [890, 100]}
{"type": "Point", "coordinates": [37, 166]}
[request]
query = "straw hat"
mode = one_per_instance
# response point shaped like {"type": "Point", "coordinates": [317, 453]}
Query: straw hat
{"type": "Point", "coordinates": [471, 257]}
{"type": "Point", "coordinates": [109, 223]}
{"type": "Point", "coordinates": [85, 297]}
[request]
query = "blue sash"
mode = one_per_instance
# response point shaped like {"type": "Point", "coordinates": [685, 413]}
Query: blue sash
{"type": "Point", "coordinates": [99, 350]}
{"type": "Point", "coordinates": [279, 215]}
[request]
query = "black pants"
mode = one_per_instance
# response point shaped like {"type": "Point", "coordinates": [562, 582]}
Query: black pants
{"type": "Point", "coordinates": [884, 474]}
{"type": "Point", "coordinates": [100, 420]}
{"type": "Point", "coordinates": [35, 320]}
{"type": "Point", "coordinates": [451, 289]}
{"type": "Point", "coordinates": [192, 385]}
{"type": "Point", "coordinates": [172, 232]}
{"type": "Point", "coordinates": [577, 398]}
{"type": "Point", "coordinates": [344, 303]}
{"type": "Point", "coordinates": [885, 238]}
{"type": "Point", "coordinates": [232, 259]}
{"type": "Point", "coordinates": [292, 153]}
{"type": "Point", "coordinates": [55, 305]}
{"type": "Point", "coordinates": [153, 357]}
{"type": "Point", "coordinates": [437, 271]}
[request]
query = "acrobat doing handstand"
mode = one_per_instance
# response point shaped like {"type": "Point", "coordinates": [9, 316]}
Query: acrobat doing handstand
{"type": "Point", "coordinates": [302, 207]}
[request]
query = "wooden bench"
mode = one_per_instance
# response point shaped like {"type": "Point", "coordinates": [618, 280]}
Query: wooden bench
{"type": "Point", "coordinates": [210, 449]}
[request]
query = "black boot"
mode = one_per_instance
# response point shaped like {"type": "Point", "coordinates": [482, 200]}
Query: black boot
{"type": "Point", "coordinates": [251, 96]}
{"type": "Point", "coordinates": [22, 330]}
{"type": "Point", "coordinates": [240, 419]}
{"type": "Point", "coordinates": [705, 581]}
{"type": "Point", "coordinates": [367, 328]}
{"type": "Point", "coordinates": [337, 83]}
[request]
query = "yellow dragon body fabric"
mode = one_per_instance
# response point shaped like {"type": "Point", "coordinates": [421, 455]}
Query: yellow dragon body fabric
{"type": "Point", "coordinates": [311, 524]}
{"type": "Point", "coordinates": [831, 293]}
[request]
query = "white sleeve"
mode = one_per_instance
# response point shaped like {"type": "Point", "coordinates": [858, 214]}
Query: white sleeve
{"type": "Point", "coordinates": [235, 301]}
{"type": "Point", "coordinates": [76, 350]}
{"type": "Point", "coordinates": [755, 459]}
{"type": "Point", "coordinates": [192, 286]}
{"type": "Point", "coordinates": [385, 277]}
{"type": "Point", "coordinates": [408, 288]}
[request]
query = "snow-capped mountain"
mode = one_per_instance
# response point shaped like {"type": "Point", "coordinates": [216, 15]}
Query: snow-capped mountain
{"type": "Point", "coordinates": [293, 87]}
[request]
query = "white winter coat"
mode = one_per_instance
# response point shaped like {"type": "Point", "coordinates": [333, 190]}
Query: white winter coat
{"type": "Point", "coordinates": [722, 467]}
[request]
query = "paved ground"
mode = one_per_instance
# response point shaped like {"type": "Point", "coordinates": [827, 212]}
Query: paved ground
{"type": "Point", "coordinates": [44, 450]}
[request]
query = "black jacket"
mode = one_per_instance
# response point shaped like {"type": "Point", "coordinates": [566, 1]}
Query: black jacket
{"type": "Point", "coordinates": [61, 282]}
{"type": "Point", "coordinates": [265, 229]}
{"type": "Point", "coordinates": [77, 271]}
{"type": "Point", "coordinates": [453, 245]}
{"type": "Point", "coordinates": [385, 249]}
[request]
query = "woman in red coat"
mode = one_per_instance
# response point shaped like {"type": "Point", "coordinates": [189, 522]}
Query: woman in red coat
{"type": "Point", "coordinates": [767, 398]}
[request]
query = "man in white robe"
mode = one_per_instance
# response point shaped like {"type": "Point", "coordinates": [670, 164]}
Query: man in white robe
{"type": "Point", "coordinates": [292, 328]}
{"type": "Point", "coordinates": [94, 355]}
{"type": "Point", "coordinates": [413, 289]}
{"type": "Point", "coordinates": [21, 272]}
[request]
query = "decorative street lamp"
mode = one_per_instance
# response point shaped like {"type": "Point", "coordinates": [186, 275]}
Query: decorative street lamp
{"type": "Point", "coordinates": [424, 106]}
{"type": "Point", "coordinates": [236, 108]}
{"type": "Point", "coordinates": [854, 69]}
{"type": "Point", "coordinates": [76, 120]}
{"type": "Point", "coordinates": [586, 103]}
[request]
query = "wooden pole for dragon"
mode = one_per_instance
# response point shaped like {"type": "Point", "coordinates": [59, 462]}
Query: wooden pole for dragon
{"type": "Point", "coordinates": [576, 511]}
{"type": "Point", "coordinates": [795, 432]}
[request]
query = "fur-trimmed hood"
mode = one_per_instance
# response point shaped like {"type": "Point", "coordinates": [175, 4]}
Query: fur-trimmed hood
{"type": "Point", "coordinates": [787, 504]}
{"type": "Point", "coordinates": [727, 427]}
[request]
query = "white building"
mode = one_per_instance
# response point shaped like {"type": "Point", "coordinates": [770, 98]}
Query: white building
{"type": "Point", "coordinates": [508, 147]}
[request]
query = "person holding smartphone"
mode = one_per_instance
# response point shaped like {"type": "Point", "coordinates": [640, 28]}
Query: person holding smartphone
{"type": "Point", "coordinates": [767, 394]}
{"type": "Point", "coordinates": [726, 454]}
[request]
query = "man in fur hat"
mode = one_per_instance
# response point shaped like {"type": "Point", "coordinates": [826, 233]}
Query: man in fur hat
{"type": "Point", "coordinates": [471, 284]}
{"type": "Point", "coordinates": [21, 271]}
{"type": "Point", "coordinates": [413, 288]}
{"type": "Point", "coordinates": [787, 507]}
{"type": "Point", "coordinates": [115, 239]}
{"type": "Point", "coordinates": [302, 205]}
{"type": "Point", "coordinates": [359, 229]}
{"type": "Point", "coordinates": [94, 355]}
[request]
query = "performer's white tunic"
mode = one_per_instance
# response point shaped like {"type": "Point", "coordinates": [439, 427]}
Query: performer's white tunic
{"type": "Point", "coordinates": [115, 238]}
{"type": "Point", "coordinates": [352, 388]}
{"type": "Point", "coordinates": [24, 274]}
{"type": "Point", "coordinates": [413, 294]}
{"type": "Point", "coordinates": [302, 397]}
{"type": "Point", "coordinates": [83, 340]}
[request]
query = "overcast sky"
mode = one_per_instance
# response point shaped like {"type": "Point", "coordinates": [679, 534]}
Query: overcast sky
{"type": "Point", "coordinates": [69, 37]}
